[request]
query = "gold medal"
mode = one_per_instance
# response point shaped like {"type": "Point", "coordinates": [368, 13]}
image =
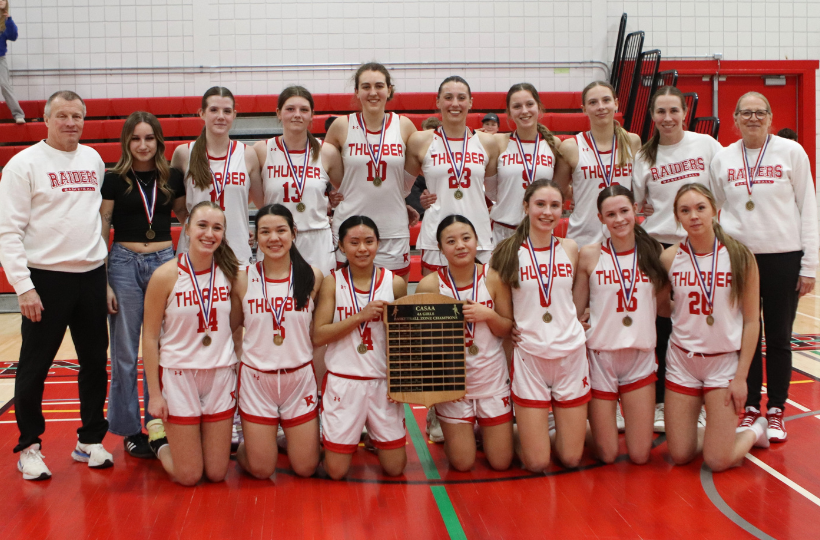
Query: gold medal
{"type": "Point", "coordinates": [750, 205]}
{"type": "Point", "coordinates": [547, 318]}
{"type": "Point", "coordinates": [473, 349]}
{"type": "Point", "coordinates": [206, 340]}
{"type": "Point", "coordinates": [458, 194]}
{"type": "Point", "coordinates": [710, 320]}
{"type": "Point", "coordinates": [377, 181]}
{"type": "Point", "coordinates": [301, 207]}
{"type": "Point", "coordinates": [278, 339]}
{"type": "Point", "coordinates": [627, 321]}
{"type": "Point", "coordinates": [362, 348]}
{"type": "Point", "coordinates": [150, 234]}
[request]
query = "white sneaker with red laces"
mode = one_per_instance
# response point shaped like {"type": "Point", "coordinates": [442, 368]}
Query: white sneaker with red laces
{"type": "Point", "coordinates": [749, 417]}
{"type": "Point", "coordinates": [777, 429]}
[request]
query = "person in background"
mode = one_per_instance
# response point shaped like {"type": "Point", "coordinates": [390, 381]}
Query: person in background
{"type": "Point", "coordinates": [787, 133]}
{"type": "Point", "coordinates": [489, 124]}
{"type": "Point", "coordinates": [414, 199]}
{"type": "Point", "coordinates": [8, 32]}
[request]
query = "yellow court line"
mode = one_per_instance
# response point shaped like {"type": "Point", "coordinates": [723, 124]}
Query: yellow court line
{"type": "Point", "coordinates": [62, 410]}
{"type": "Point", "coordinates": [794, 382]}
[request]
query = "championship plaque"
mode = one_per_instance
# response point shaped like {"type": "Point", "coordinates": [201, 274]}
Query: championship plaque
{"type": "Point", "coordinates": [425, 349]}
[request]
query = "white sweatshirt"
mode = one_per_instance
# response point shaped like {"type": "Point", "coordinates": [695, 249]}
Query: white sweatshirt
{"type": "Point", "coordinates": [50, 213]}
{"type": "Point", "coordinates": [784, 217]}
{"type": "Point", "coordinates": [677, 164]}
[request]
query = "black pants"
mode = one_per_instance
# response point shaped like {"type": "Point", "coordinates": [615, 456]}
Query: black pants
{"type": "Point", "coordinates": [779, 273]}
{"type": "Point", "coordinates": [663, 329]}
{"type": "Point", "coordinates": [76, 301]}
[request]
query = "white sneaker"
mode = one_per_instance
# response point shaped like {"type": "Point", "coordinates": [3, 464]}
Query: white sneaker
{"type": "Point", "coordinates": [619, 418]}
{"type": "Point", "coordinates": [95, 455]}
{"type": "Point", "coordinates": [551, 423]}
{"type": "Point", "coordinates": [434, 432]}
{"type": "Point", "coordinates": [758, 427]}
{"type": "Point", "coordinates": [281, 440]}
{"type": "Point", "coordinates": [31, 464]}
{"type": "Point", "coordinates": [702, 417]}
{"type": "Point", "coordinates": [237, 436]}
{"type": "Point", "coordinates": [660, 425]}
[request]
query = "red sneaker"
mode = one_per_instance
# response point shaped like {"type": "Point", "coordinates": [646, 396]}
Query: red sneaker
{"type": "Point", "coordinates": [777, 429]}
{"type": "Point", "coordinates": [749, 417]}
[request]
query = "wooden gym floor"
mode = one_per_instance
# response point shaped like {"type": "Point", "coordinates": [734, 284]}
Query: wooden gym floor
{"type": "Point", "coordinates": [775, 494]}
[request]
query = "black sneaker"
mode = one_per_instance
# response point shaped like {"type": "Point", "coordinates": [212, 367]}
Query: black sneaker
{"type": "Point", "coordinates": [137, 446]}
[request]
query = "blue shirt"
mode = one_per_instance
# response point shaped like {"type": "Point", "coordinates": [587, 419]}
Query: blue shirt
{"type": "Point", "coordinates": [9, 34]}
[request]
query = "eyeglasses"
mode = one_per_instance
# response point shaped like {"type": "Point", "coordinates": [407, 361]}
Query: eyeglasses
{"type": "Point", "coordinates": [747, 115]}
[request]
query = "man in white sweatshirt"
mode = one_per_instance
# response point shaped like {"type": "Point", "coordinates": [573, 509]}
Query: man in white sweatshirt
{"type": "Point", "coordinates": [53, 256]}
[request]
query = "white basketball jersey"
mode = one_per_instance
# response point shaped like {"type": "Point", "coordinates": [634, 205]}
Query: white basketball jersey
{"type": "Point", "coordinates": [486, 371]}
{"type": "Point", "coordinates": [564, 333]}
{"type": "Point", "coordinates": [607, 306]}
{"type": "Point", "coordinates": [183, 326]}
{"type": "Point", "coordinates": [587, 182]}
{"type": "Point", "coordinates": [280, 185]}
{"type": "Point", "coordinates": [258, 348]}
{"type": "Point", "coordinates": [513, 179]}
{"type": "Point", "coordinates": [234, 199]}
{"type": "Point", "coordinates": [675, 165]}
{"type": "Point", "coordinates": [441, 180]}
{"type": "Point", "coordinates": [384, 204]}
{"type": "Point", "coordinates": [689, 328]}
{"type": "Point", "coordinates": [342, 356]}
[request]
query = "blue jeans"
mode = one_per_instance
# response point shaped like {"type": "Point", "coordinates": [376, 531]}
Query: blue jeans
{"type": "Point", "coordinates": [128, 274]}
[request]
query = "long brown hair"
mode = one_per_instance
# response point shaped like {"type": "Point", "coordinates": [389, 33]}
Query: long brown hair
{"type": "Point", "coordinates": [739, 255]}
{"type": "Point", "coordinates": [621, 135]}
{"type": "Point", "coordinates": [547, 135]}
{"type": "Point", "coordinates": [3, 15]}
{"type": "Point", "coordinates": [126, 162]}
{"type": "Point", "coordinates": [199, 169]}
{"type": "Point", "coordinates": [649, 151]}
{"type": "Point", "coordinates": [375, 66]}
{"type": "Point", "coordinates": [649, 250]}
{"type": "Point", "coordinates": [302, 92]}
{"type": "Point", "coordinates": [505, 257]}
{"type": "Point", "coordinates": [224, 255]}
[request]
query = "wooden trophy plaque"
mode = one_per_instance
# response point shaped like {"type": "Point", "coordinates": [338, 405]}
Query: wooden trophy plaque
{"type": "Point", "coordinates": [425, 349]}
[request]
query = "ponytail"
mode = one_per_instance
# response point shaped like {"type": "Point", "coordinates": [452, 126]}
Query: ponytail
{"type": "Point", "coordinates": [315, 145]}
{"type": "Point", "coordinates": [551, 139]}
{"type": "Point", "coordinates": [649, 258]}
{"type": "Point", "coordinates": [739, 256]}
{"type": "Point", "coordinates": [625, 156]}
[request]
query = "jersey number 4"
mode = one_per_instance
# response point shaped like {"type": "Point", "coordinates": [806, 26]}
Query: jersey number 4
{"type": "Point", "coordinates": [465, 178]}
{"type": "Point", "coordinates": [214, 326]}
{"type": "Point", "coordinates": [698, 304]}
{"type": "Point", "coordinates": [367, 338]}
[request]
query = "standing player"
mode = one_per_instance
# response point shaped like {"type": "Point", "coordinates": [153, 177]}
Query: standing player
{"type": "Point", "coordinates": [594, 160]}
{"type": "Point", "coordinates": [549, 362]}
{"type": "Point", "coordinates": [488, 312]}
{"type": "Point", "coordinates": [364, 158]}
{"type": "Point", "coordinates": [454, 164]}
{"type": "Point", "coordinates": [530, 153]}
{"type": "Point", "coordinates": [191, 311]}
{"type": "Point", "coordinates": [764, 186]}
{"type": "Point", "coordinates": [348, 319]}
{"type": "Point", "coordinates": [293, 176]}
{"type": "Point", "coordinates": [714, 332]}
{"type": "Point", "coordinates": [278, 386]}
{"type": "Point", "coordinates": [220, 170]}
{"type": "Point", "coordinates": [621, 280]}
{"type": "Point", "coordinates": [672, 157]}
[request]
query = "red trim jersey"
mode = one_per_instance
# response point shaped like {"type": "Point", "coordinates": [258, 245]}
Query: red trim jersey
{"type": "Point", "coordinates": [183, 327]}
{"type": "Point", "coordinates": [513, 179]}
{"type": "Point", "coordinates": [342, 356]}
{"type": "Point", "coordinates": [259, 351]}
{"type": "Point", "coordinates": [564, 333]}
{"type": "Point", "coordinates": [384, 204]}
{"type": "Point", "coordinates": [441, 180]}
{"type": "Point", "coordinates": [689, 328]}
{"type": "Point", "coordinates": [486, 371]}
{"type": "Point", "coordinates": [233, 200]}
{"type": "Point", "coordinates": [280, 186]}
{"type": "Point", "coordinates": [587, 182]}
{"type": "Point", "coordinates": [607, 306]}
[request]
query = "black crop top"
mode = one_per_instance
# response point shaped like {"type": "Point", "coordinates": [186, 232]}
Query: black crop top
{"type": "Point", "coordinates": [129, 220]}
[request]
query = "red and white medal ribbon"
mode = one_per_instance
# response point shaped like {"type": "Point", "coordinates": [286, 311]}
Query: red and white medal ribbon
{"type": "Point", "coordinates": [546, 289]}
{"type": "Point", "coordinates": [203, 310]}
{"type": "Point", "coordinates": [219, 185]}
{"type": "Point", "coordinates": [631, 291]}
{"type": "Point", "coordinates": [451, 282]}
{"type": "Point", "coordinates": [375, 155]}
{"type": "Point", "coordinates": [751, 174]}
{"type": "Point", "coordinates": [149, 212]}
{"type": "Point", "coordinates": [530, 171]}
{"type": "Point", "coordinates": [299, 179]}
{"type": "Point", "coordinates": [708, 292]}
{"type": "Point", "coordinates": [354, 298]}
{"type": "Point", "coordinates": [457, 169]}
{"type": "Point", "coordinates": [277, 313]}
{"type": "Point", "coordinates": [607, 176]}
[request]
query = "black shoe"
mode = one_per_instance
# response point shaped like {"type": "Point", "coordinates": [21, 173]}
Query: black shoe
{"type": "Point", "coordinates": [137, 446]}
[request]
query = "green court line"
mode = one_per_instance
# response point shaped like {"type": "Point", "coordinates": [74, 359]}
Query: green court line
{"type": "Point", "coordinates": [445, 506]}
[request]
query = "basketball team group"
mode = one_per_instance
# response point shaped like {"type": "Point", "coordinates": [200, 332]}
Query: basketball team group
{"type": "Point", "coordinates": [639, 323]}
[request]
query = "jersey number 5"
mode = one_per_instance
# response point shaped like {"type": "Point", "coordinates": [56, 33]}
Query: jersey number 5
{"type": "Point", "coordinates": [465, 178]}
